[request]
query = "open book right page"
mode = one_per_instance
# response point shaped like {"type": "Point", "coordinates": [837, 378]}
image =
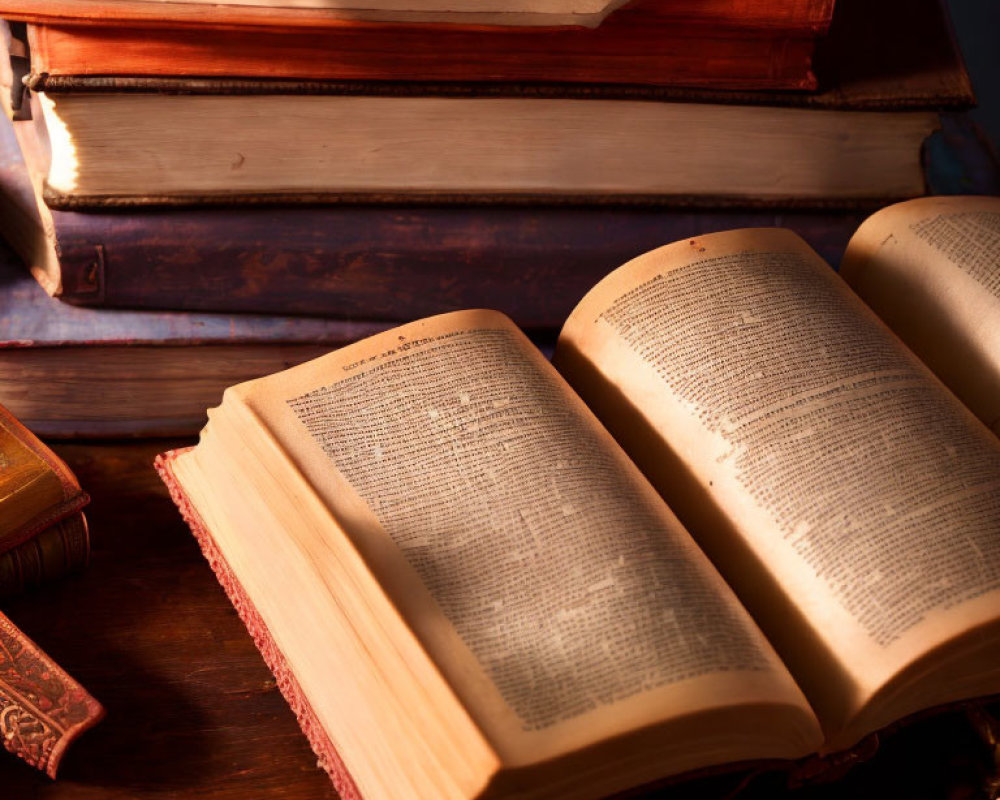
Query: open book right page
{"type": "Point", "coordinates": [816, 460]}
{"type": "Point", "coordinates": [931, 269]}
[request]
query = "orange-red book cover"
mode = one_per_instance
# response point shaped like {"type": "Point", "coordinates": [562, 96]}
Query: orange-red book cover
{"type": "Point", "coordinates": [42, 709]}
{"type": "Point", "coordinates": [643, 45]}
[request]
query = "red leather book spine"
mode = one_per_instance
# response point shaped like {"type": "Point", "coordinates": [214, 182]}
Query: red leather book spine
{"type": "Point", "coordinates": [633, 47]}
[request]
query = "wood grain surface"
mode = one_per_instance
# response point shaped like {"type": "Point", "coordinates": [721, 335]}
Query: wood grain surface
{"type": "Point", "coordinates": [192, 712]}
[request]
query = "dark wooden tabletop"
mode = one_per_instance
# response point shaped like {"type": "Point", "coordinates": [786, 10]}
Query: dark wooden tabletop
{"type": "Point", "coordinates": [192, 712]}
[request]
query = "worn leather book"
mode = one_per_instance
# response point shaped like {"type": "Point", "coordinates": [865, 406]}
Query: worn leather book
{"type": "Point", "coordinates": [875, 57]}
{"type": "Point", "coordinates": [203, 141]}
{"type": "Point", "coordinates": [43, 533]}
{"type": "Point", "coordinates": [454, 559]}
{"type": "Point", "coordinates": [637, 46]}
{"type": "Point", "coordinates": [137, 373]}
{"type": "Point", "coordinates": [723, 43]}
{"type": "Point", "coordinates": [43, 536]}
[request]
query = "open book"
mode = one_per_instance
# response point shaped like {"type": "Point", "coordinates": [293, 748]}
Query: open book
{"type": "Point", "coordinates": [468, 589]}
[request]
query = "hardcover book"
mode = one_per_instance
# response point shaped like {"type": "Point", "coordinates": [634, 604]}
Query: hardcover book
{"type": "Point", "coordinates": [124, 373]}
{"type": "Point", "coordinates": [360, 262]}
{"type": "Point", "coordinates": [43, 533]}
{"type": "Point", "coordinates": [440, 548]}
{"type": "Point", "coordinates": [651, 43]}
{"type": "Point", "coordinates": [203, 141]}
{"type": "Point", "coordinates": [43, 536]}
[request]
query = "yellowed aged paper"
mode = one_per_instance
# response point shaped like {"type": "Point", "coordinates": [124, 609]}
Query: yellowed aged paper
{"type": "Point", "coordinates": [931, 269]}
{"type": "Point", "coordinates": [548, 581]}
{"type": "Point", "coordinates": [386, 710]}
{"type": "Point", "coordinates": [817, 460]}
{"type": "Point", "coordinates": [519, 13]}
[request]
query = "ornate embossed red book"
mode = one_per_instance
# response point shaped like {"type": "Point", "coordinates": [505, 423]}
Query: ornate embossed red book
{"type": "Point", "coordinates": [42, 709]}
{"type": "Point", "coordinates": [43, 535]}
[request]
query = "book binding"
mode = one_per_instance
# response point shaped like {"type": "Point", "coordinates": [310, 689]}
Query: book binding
{"type": "Point", "coordinates": [42, 709]}
{"type": "Point", "coordinates": [327, 757]}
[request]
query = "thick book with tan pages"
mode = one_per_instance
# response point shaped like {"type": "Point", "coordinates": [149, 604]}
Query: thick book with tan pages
{"type": "Point", "coordinates": [468, 588]}
{"type": "Point", "coordinates": [136, 140]}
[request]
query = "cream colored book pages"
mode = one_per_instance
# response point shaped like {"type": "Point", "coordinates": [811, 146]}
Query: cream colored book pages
{"type": "Point", "coordinates": [152, 145]}
{"type": "Point", "coordinates": [512, 13]}
{"type": "Point", "coordinates": [381, 703]}
{"type": "Point", "coordinates": [816, 459]}
{"type": "Point", "coordinates": [544, 576]}
{"type": "Point", "coordinates": [931, 269]}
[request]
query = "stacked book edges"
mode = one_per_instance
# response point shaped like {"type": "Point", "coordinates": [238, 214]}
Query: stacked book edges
{"type": "Point", "coordinates": [126, 140]}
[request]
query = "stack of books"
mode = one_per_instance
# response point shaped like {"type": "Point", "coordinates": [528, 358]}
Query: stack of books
{"type": "Point", "coordinates": [43, 536]}
{"type": "Point", "coordinates": [250, 158]}
{"type": "Point", "coordinates": [311, 164]}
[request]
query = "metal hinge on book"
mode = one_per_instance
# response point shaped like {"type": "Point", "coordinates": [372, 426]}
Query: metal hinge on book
{"type": "Point", "coordinates": [83, 275]}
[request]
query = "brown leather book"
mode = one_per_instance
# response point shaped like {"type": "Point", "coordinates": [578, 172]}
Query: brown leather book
{"type": "Point", "coordinates": [208, 141]}
{"type": "Point", "coordinates": [43, 535]}
{"type": "Point", "coordinates": [891, 54]}
{"type": "Point", "coordinates": [636, 46]}
{"type": "Point", "coordinates": [734, 44]}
